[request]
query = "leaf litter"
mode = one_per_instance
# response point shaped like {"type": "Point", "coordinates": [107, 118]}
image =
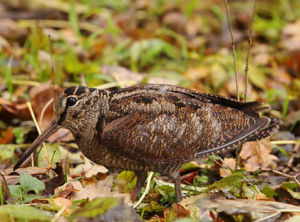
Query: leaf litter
{"type": "Point", "coordinates": [115, 44]}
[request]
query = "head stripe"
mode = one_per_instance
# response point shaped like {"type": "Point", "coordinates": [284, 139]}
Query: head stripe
{"type": "Point", "coordinates": [80, 90]}
{"type": "Point", "coordinates": [70, 91]}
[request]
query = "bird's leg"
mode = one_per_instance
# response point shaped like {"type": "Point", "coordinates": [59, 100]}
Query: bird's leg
{"type": "Point", "coordinates": [141, 176]}
{"type": "Point", "coordinates": [176, 178]}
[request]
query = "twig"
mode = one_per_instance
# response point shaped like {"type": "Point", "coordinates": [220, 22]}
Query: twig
{"type": "Point", "coordinates": [278, 142]}
{"type": "Point", "coordinates": [39, 131]}
{"type": "Point", "coordinates": [268, 217]}
{"type": "Point", "coordinates": [44, 110]}
{"type": "Point", "coordinates": [248, 50]}
{"type": "Point", "coordinates": [59, 213]}
{"type": "Point", "coordinates": [294, 178]}
{"type": "Point", "coordinates": [61, 24]}
{"type": "Point", "coordinates": [233, 50]}
{"type": "Point", "coordinates": [146, 190]}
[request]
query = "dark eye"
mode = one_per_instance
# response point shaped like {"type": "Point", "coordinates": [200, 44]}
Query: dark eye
{"type": "Point", "coordinates": [71, 101]}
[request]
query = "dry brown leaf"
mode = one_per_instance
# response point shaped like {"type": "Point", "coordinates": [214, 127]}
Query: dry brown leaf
{"type": "Point", "coordinates": [197, 73]}
{"type": "Point", "coordinates": [4, 187]}
{"type": "Point", "coordinates": [10, 30]}
{"type": "Point", "coordinates": [69, 36]}
{"type": "Point", "coordinates": [62, 202]}
{"type": "Point", "coordinates": [258, 155]}
{"type": "Point", "coordinates": [20, 110]}
{"type": "Point", "coordinates": [197, 205]}
{"type": "Point", "coordinates": [180, 210]}
{"type": "Point", "coordinates": [6, 136]}
{"type": "Point", "coordinates": [228, 162]}
{"type": "Point", "coordinates": [65, 192]}
{"type": "Point", "coordinates": [290, 38]}
{"type": "Point", "coordinates": [261, 196]}
{"type": "Point", "coordinates": [124, 75]}
{"type": "Point", "coordinates": [14, 179]}
{"type": "Point", "coordinates": [101, 189]}
{"type": "Point", "coordinates": [90, 169]}
{"type": "Point", "coordinates": [175, 20]}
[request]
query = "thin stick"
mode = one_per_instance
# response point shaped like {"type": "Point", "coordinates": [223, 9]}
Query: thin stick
{"type": "Point", "coordinates": [39, 131]}
{"type": "Point", "coordinates": [44, 110]}
{"type": "Point", "coordinates": [146, 190]}
{"type": "Point", "coordinates": [294, 178]}
{"type": "Point", "coordinates": [233, 50]}
{"type": "Point", "coordinates": [278, 142]}
{"type": "Point", "coordinates": [248, 50]}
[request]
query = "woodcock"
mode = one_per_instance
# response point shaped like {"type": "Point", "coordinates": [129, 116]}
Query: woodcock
{"type": "Point", "coordinates": [154, 127]}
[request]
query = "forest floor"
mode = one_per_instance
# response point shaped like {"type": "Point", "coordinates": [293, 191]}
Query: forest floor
{"type": "Point", "coordinates": [114, 43]}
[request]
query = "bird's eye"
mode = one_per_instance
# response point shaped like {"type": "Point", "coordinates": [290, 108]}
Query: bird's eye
{"type": "Point", "coordinates": [71, 101]}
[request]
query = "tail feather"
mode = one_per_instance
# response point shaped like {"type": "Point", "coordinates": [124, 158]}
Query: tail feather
{"type": "Point", "coordinates": [251, 108]}
{"type": "Point", "coordinates": [268, 130]}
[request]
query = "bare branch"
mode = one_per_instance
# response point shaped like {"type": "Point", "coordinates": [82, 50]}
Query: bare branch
{"type": "Point", "coordinates": [248, 51]}
{"type": "Point", "coordinates": [294, 178]}
{"type": "Point", "coordinates": [233, 49]}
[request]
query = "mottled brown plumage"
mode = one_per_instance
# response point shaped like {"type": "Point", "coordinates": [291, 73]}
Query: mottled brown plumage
{"type": "Point", "coordinates": [154, 127]}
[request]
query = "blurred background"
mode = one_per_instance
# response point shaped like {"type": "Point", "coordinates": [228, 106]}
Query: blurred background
{"type": "Point", "coordinates": [117, 43]}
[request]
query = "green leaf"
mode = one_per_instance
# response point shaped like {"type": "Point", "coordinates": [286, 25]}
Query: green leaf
{"type": "Point", "coordinates": [290, 185]}
{"type": "Point", "coordinates": [1, 194]}
{"type": "Point", "coordinates": [19, 134]}
{"type": "Point", "coordinates": [29, 197]}
{"type": "Point", "coordinates": [29, 182]}
{"type": "Point", "coordinates": [24, 213]}
{"type": "Point", "coordinates": [96, 207]}
{"type": "Point", "coordinates": [125, 181]}
{"type": "Point", "coordinates": [153, 207]}
{"type": "Point", "coordinates": [233, 180]}
{"type": "Point", "coordinates": [15, 191]}
{"type": "Point", "coordinates": [54, 154]}
{"type": "Point", "coordinates": [269, 192]}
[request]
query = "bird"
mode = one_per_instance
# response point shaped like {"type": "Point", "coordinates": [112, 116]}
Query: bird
{"type": "Point", "coordinates": [154, 127]}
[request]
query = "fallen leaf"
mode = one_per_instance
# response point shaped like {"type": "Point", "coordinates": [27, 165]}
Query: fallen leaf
{"type": "Point", "coordinates": [105, 209]}
{"type": "Point", "coordinates": [197, 205]}
{"type": "Point", "coordinates": [62, 202]}
{"type": "Point", "coordinates": [10, 30]}
{"type": "Point", "coordinates": [4, 188]}
{"type": "Point", "coordinates": [101, 189]}
{"type": "Point", "coordinates": [224, 171]}
{"type": "Point", "coordinates": [55, 181]}
{"type": "Point", "coordinates": [69, 189]}
{"type": "Point", "coordinates": [6, 136]}
{"type": "Point", "coordinates": [290, 38]}
{"type": "Point", "coordinates": [257, 155]}
{"type": "Point", "coordinates": [23, 213]}
{"type": "Point", "coordinates": [91, 169]}
{"type": "Point", "coordinates": [12, 177]}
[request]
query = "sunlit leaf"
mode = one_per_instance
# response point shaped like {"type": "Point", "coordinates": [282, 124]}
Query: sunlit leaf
{"type": "Point", "coordinates": [96, 207]}
{"type": "Point", "coordinates": [24, 213]}
{"type": "Point", "coordinates": [29, 182]}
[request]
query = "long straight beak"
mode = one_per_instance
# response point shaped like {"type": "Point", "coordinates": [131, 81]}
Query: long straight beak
{"type": "Point", "coordinates": [52, 128]}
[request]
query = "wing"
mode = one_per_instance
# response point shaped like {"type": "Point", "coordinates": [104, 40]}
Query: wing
{"type": "Point", "coordinates": [163, 123]}
{"type": "Point", "coordinates": [156, 139]}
